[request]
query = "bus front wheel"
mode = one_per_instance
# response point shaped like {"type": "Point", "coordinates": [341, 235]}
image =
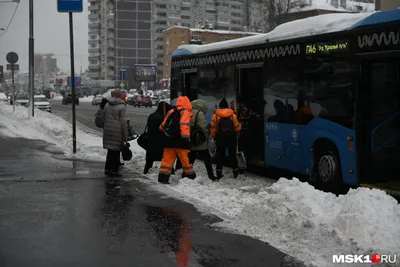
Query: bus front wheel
{"type": "Point", "coordinates": [327, 173]}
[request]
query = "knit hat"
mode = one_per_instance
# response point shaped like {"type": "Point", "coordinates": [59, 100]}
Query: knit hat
{"type": "Point", "coordinates": [223, 103]}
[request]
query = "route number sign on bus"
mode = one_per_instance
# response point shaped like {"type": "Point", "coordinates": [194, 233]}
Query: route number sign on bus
{"type": "Point", "coordinates": [325, 48]}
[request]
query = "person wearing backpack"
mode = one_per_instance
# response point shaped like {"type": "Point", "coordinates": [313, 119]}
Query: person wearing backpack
{"type": "Point", "coordinates": [155, 138]}
{"type": "Point", "coordinates": [225, 128]}
{"type": "Point", "coordinates": [198, 136]}
{"type": "Point", "coordinates": [176, 127]}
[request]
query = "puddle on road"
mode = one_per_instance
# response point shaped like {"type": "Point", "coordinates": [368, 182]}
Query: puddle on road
{"type": "Point", "coordinates": [172, 231]}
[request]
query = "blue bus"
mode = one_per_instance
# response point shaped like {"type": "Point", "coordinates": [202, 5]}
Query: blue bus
{"type": "Point", "coordinates": [318, 97]}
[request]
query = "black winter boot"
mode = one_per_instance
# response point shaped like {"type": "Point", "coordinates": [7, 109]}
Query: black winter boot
{"type": "Point", "coordinates": [211, 176]}
{"type": "Point", "coordinates": [163, 178]}
{"type": "Point", "coordinates": [235, 173]}
{"type": "Point", "coordinates": [219, 174]}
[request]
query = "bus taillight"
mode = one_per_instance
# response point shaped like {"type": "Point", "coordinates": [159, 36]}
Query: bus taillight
{"type": "Point", "coordinates": [351, 143]}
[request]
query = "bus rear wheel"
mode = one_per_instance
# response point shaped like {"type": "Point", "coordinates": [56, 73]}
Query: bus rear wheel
{"type": "Point", "coordinates": [327, 173]}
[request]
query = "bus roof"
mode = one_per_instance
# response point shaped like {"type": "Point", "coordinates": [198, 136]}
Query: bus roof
{"type": "Point", "coordinates": [299, 28]}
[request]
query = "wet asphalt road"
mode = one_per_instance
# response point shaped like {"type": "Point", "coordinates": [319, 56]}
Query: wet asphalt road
{"type": "Point", "coordinates": [85, 114]}
{"type": "Point", "coordinates": [58, 212]}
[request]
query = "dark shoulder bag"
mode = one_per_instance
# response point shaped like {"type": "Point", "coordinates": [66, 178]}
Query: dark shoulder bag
{"type": "Point", "coordinates": [143, 139]}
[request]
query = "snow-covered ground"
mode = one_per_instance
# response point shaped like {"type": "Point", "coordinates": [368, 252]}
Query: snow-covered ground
{"type": "Point", "coordinates": [294, 217]}
{"type": "Point", "coordinates": [86, 99]}
{"type": "Point", "coordinates": [58, 97]}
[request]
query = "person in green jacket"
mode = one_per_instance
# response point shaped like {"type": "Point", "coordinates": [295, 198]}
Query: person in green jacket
{"type": "Point", "coordinates": [199, 109]}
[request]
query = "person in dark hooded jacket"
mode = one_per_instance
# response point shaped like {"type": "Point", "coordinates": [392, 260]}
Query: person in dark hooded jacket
{"type": "Point", "coordinates": [155, 137]}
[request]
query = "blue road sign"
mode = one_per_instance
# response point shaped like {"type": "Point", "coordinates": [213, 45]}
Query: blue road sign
{"type": "Point", "coordinates": [77, 81]}
{"type": "Point", "coordinates": [122, 74]}
{"type": "Point", "coordinates": [66, 6]}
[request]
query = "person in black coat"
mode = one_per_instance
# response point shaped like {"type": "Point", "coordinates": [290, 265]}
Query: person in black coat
{"type": "Point", "coordinates": [155, 137]}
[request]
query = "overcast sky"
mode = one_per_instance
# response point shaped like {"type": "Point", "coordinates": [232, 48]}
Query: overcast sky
{"type": "Point", "coordinates": [51, 33]}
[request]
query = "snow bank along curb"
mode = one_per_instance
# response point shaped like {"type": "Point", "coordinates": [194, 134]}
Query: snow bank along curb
{"type": "Point", "coordinates": [294, 217]}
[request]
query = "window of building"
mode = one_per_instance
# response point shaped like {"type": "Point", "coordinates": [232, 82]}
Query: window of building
{"type": "Point", "coordinates": [184, 8]}
{"type": "Point", "coordinates": [195, 37]}
{"type": "Point", "coordinates": [161, 14]}
{"type": "Point", "coordinates": [144, 15]}
{"type": "Point", "coordinates": [204, 39]}
{"type": "Point", "coordinates": [144, 6]}
{"type": "Point", "coordinates": [185, 17]}
{"type": "Point", "coordinates": [220, 39]}
{"type": "Point", "coordinates": [182, 39]}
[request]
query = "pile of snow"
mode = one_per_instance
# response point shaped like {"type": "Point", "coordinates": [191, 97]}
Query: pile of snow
{"type": "Point", "coordinates": [53, 129]}
{"type": "Point", "coordinates": [305, 223]}
{"type": "Point", "coordinates": [86, 99]}
{"type": "Point", "coordinates": [58, 97]}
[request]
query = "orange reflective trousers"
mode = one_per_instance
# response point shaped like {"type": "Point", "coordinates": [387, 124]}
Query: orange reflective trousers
{"type": "Point", "coordinates": [168, 159]}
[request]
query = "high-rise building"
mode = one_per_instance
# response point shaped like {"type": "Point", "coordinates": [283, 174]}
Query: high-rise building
{"type": "Point", "coordinates": [210, 14]}
{"type": "Point", "coordinates": [45, 64]}
{"type": "Point", "coordinates": [119, 38]}
{"type": "Point", "coordinates": [125, 33]}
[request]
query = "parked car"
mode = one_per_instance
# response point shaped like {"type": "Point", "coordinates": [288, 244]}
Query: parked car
{"type": "Point", "coordinates": [67, 99]}
{"type": "Point", "coordinates": [140, 100]}
{"type": "Point", "coordinates": [97, 100]}
{"type": "Point", "coordinates": [147, 101]}
{"type": "Point", "coordinates": [155, 100]}
{"type": "Point", "coordinates": [42, 102]}
{"type": "Point", "coordinates": [22, 100]}
{"type": "Point", "coordinates": [3, 97]}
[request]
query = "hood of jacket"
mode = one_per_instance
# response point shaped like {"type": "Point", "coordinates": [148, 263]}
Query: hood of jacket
{"type": "Point", "coordinates": [200, 104]}
{"type": "Point", "coordinates": [116, 101]}
{"type": "Point", "coordinates": [183, 102]}
{"type": "Point", "coordinates": [224, 113]}
{"type": "Point", "coordinates": [160, 107]}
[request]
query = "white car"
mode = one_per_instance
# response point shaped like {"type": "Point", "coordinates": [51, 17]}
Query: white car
{"type": "Point", "coordinates": [22, 100]}
{"type": "Point", "coordinates": [41, 102]}
{"type": "Point", "coordinates": [3, 97]}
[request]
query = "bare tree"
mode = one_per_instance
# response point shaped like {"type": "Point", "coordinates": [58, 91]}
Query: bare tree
{"type": "Point", "coordinates": [272, 11]}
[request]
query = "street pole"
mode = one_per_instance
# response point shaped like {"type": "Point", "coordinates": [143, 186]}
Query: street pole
{"type": "Point", "coordinates": [71, 37]}
{"type": "Point", "coordinates": [31, 59]}
{"type": "Point", "coordinates": [12, 74]}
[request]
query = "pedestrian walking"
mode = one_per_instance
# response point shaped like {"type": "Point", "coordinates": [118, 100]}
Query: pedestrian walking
{"type": "Point", "coordinates": [225, 128]}
{"type": "Point", "coordinates": [115, 132]}
{"type": "Point", "coordinates": [155, 137]}
{"type": "Point", "coordinates": [176, 127]}
{"type": "Point", "coordinates": [198, 122]}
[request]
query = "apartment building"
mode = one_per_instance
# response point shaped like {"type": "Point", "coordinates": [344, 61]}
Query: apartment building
{"type": "Point", "coordinates": [386, 4]}
{"type": "Point", "coordinates": [119, 37]}
{"type": "Point", "coordinates": [124, 33]}
{"type": "Point", "coordinates": [178, 35]}
{"type": "Point", "coordinates": [215, 14]}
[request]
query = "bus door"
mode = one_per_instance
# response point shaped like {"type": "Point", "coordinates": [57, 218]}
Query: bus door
{"type": "Point", "coordinates": [378, 123]}
{"type": "Point", "coordinates": [251, 113]}
{"type": "Point", "coordinates": [190, 86]}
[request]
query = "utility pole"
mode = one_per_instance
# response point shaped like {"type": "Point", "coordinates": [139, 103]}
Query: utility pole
{"type": "Point", "coordinates": [31, 60]}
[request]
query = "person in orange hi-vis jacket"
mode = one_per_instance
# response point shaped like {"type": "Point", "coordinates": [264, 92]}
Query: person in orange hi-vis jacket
{"type": "Point", "coordinates": [179, 144]}
{"type": "Point", "coordinates": [225, 128]}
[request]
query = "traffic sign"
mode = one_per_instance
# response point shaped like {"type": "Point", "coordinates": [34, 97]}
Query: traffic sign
{"type": "Point", "coordinates": [67, 6]}
{"type": "Point", "coordinates": [122, 85]}
{"type": "Point", "coordinates": [12, 67]}
{"type": "Point", "coordinates": [12, 58]}
{"type": "Point", "coordinates": [122, 74]}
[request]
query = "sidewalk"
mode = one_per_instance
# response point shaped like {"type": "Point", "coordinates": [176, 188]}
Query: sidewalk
{"type": "Point", "coordinates": [58, 212]}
